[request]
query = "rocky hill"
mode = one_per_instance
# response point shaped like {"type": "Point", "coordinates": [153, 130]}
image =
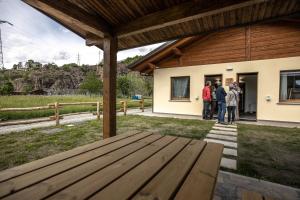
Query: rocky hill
{"type": "Point", "coordinates": [50, 79]}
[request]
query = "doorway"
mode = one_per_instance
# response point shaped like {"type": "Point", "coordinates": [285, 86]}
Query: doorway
{"type": "Point", "coordinates": [214, 80]}
{"type": "Point", "coordinates": [248, 96]}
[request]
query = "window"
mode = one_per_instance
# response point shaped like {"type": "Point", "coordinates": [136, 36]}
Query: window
{"type": "Point", "coordinates": [290, 86]}
{"type": "Point", "coordinates": [180, 88]}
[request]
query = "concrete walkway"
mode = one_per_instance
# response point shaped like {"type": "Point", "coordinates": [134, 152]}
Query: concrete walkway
{"type": "Point", "coordinates": [231, 186]}
{"type": "Point", "coordinates": [226, 135]}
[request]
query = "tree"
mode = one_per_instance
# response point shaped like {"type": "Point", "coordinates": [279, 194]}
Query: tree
{"type": "Point", "coordinates": [92, 84]}
{"type": "Point", "coordinates": [15, 67]}
{"type": "Point", "coordinates": [130, 60]}
{"type": "Point", "coordinates": [67, 67]}
{"type": "Point", "coordinates": [7, 88]}
{"type": "Point", "coordinates": [124, 85]}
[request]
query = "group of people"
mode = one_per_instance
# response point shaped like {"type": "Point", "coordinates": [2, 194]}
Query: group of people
{"type": "Point", "coordinates": [215, 96]}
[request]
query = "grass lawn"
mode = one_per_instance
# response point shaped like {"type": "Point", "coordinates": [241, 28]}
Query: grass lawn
{"type": "Point", "coordinates": [23, 147]}
{"type": "Point", "coordinates": [269, 153]}
{"type": "Point", "coordinates": [36, 100]}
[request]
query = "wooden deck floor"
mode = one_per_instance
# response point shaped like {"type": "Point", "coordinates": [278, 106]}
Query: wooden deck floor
{"type": "Point", "coordinates": [128, 166]}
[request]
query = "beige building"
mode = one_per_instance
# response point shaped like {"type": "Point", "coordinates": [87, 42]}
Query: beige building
{"type": "Point", "coordinates": [264, 59]}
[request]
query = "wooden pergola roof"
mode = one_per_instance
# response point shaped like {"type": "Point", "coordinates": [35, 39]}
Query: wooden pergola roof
{"type": "Point", "coordinates": [137, 23]}
{"type": "Point", "coordinates": [114, 25]}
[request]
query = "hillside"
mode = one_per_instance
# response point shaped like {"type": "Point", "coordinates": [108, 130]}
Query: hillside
{"type": "Point", "coordinates": [34, 78]}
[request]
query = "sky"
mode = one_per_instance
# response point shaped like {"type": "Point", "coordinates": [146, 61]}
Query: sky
{"type": "Point", "coordinates": [36, 36]}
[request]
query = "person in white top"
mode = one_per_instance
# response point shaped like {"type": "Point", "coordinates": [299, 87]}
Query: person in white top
{"type": "Point", "coordinates": [231, 103]}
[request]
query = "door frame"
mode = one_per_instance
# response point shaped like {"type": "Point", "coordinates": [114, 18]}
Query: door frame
{"type": "Point", "coordinates": [238, 81]}
{"type": "Point", "coordinates": [212, 75]}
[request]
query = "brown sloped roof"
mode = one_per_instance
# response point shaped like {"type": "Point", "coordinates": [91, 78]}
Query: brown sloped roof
{"type": "Point", "coordinates": [148, 62]}
{"type": "Point", "coordinates": [141, 22]}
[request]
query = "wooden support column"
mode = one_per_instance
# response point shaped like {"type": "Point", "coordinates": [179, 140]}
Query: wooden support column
{"type": "Point", "coordinates": [110, 47]}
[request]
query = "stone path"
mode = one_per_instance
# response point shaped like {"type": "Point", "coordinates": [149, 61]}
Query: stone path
{"type": "Point", "coordinates": [231, 186]}
{"type": "Point", "coordinates": [226, 135]}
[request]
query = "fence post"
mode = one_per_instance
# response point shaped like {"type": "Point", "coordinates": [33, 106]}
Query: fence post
{"type": "Point", "coordinates": [56, 113]}
{"type": "Point", "coordinates": [142, 104]}
{"type": "Point", "coordinates": [125, 107]}
{"type": "Point", "coordinates": [98, 110]}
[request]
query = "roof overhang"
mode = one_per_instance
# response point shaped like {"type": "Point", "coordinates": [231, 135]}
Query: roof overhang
{"type": "Point", "coordinates": [139, 23]}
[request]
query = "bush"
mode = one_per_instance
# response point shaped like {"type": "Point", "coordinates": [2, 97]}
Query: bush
{"type": "Point", "coordinates": [92, 84]}
{"type": "Point", "coordinates": [7, 88]}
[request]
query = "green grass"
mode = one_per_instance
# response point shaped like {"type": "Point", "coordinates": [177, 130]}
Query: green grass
{"type": "Point", "coordinates": [270, 153]}
{"type": "Point", "coordinates": [23, 147]}
{"type": "Point", "coordinates": [35, 100]}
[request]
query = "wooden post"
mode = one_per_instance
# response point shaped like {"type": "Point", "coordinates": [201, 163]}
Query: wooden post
{"type": "Point", "coordinates": [110, 47]}
{"type": "Point", "coordinates": [142, 104]}
{"type": "Point", "coordinates": [98, 110]}
{"type": "Point", "coordinates": [56, 113]}
{"type": "Point", "coordinates": [125, 107]}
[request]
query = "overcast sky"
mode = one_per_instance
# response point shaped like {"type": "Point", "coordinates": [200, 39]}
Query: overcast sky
{"type": "Point", "coordinates": [35, 36]}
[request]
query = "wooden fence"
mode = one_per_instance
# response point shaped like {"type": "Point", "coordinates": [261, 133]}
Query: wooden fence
{"type": "Point", "coordinates": [56, 106]}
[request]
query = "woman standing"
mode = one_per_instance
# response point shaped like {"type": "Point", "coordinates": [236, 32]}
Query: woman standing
{"type": "Point", "coordinates": [232, 100]}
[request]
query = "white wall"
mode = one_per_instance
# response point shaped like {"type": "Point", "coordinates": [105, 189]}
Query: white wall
{"type": "Point", "coordinates": [268, 85]}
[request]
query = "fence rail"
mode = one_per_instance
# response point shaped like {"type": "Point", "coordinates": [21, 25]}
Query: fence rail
{"type": "Point", "coordinates": [56, 106]}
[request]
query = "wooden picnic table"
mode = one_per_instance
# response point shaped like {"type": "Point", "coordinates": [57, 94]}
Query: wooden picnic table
{"type": "Point", "coordinates": [127, 166]}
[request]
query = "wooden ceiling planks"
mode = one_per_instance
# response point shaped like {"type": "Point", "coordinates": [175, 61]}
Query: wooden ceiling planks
{"type": "Point", "coordinates": [138, 23]}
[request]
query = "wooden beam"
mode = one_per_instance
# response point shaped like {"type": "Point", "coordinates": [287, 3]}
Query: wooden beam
{"type": "Point", "coordinates": [152, 66]}
{"type": "Point", "coordinates": [177, 51]}
{"type": "Point", "coordinates": [93, 40]}
{"type": "Point", "coordinates": [110, 46]}
{"type": "Point", "coordinates": [72, 15]}
{"type": "Point", "coordinates": [181, 13]}
{"type": "Point", "coordinates": [148, 71]}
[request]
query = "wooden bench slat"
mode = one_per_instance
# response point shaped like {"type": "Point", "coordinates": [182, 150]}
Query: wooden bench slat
{"type": "Point", "coordinates": [137, 177]}
{"type": "Point", "coordinates": [58, 182]}
{"type": "Point", "coordinates": [28, 179]}
{"type": "Point", "coordinates": [94, 183]}
{"type": "Point", "coordinates": [25, 168]}
{"type": "Point", "coordinates": [201, 180]}
{"type": "Point", "coordinates": [249, 195]}
{"type": "Point", "coordinates": [166, 182]}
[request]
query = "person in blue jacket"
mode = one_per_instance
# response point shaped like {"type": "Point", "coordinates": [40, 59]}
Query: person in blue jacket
{"type": "Point", "coordinates": [221, 94]}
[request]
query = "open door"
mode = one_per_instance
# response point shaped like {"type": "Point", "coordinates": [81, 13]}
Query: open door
{"type": "Point", "coordinates": [248, 96]}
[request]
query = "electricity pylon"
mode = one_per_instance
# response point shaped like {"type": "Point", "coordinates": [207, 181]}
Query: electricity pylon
{"type": "Point", "coordinates": [1, 49]}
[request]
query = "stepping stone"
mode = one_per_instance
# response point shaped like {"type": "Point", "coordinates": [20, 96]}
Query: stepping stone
{"type": "Point", "coordinates": [224, 129]}
{"type": "Point", "coordinates": [228, 163]}
{"type": "Point", "coordinates": [222, 137]}
{"type": "Point", "coordinates": [225, 143]}
{"type": "Point", "coordinates": [230, 152]}
{"type": "Point", "coordinates": [223, 132]}
{"type": "Point", "coordinates": [228, 126]}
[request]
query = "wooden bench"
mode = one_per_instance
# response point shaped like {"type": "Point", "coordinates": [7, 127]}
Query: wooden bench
{"type": "Point", "coordinates": [135, 166]}
{"type": "Point", "coordinates": [250, 195]}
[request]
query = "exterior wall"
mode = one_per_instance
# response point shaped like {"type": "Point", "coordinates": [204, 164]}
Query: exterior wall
{"type": "Point", "coordinates": [268, 85]}
{"type": "Point", "coordinates": [257, 42]}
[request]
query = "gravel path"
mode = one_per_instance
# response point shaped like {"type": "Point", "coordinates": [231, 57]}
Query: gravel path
{"type": "Point", "coordinates": [69, 119]}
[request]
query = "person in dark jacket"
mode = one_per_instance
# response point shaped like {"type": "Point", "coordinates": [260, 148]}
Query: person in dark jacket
{"type": "Point", "coordinates": [221, 94]}
{"type": "Point", "coordinates": [213, 100]}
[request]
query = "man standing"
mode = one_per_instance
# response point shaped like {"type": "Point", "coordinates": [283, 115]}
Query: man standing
{"type": "Point", "coordinates": [206, 96]}
{"type": "Point", "coordinates": [221, 94]}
